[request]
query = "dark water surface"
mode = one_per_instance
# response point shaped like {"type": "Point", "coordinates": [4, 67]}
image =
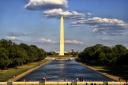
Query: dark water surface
{"type": "Point", "coordinates": [64, 70]}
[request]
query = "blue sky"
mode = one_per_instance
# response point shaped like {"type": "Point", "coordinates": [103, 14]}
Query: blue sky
{"type": "Point", "coordinates": [87, 22]}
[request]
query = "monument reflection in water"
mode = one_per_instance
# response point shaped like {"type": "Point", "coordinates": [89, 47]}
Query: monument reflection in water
{"type": "Point", "coordinates": [70, 70]}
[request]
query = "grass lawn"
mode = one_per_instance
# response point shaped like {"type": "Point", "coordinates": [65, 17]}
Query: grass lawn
{"type": "Point", "coordinates": [11, 72]}
{"type": "Point", "coordinates": [120, 71]}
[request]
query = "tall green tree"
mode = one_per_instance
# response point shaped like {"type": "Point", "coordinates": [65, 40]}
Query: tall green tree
{"type": "Point", "coordinates": [12, 54]}
{"type": "Point", "coordinates": [4, 59]}
{"type": "Point", "coordinates": [104, 55]}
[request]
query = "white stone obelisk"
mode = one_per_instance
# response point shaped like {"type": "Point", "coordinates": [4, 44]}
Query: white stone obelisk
{"type": "Point", "coordinates": [61, 36]}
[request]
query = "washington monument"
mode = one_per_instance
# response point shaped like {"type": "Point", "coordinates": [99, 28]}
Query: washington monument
{"type": "Point", "coordinates": [61, 36]}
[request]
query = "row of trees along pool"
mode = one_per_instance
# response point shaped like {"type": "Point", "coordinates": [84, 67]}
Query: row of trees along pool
{"type": "Point", "coordinates": [104, 55]}
{"type": "Point", "coordinates": [12, 54]}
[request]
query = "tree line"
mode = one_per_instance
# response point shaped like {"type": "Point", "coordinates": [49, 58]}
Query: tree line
{"type": "Point", "coordinates": [12, 54]}
{"type": "Point", "coordinates": [104, 55]}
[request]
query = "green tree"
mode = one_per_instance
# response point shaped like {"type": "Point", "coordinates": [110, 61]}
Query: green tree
{"type": "Point", "coordinates": [104, 55]}
{"type": "Point", "coordinates": [121, 54]}
{"type": "Point", "coordinates": [4, 60]}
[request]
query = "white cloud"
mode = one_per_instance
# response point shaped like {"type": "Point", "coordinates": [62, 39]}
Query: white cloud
{"type": "Point", "coordinates": [107, 20]}
{"type": "Point", "coordinates": [61, 12]}
{"type": "Point", "coordinates": [54, 8]}
{"type": "Point", "coordinates": [15, 37]}
{"type": "Point", "coordinates": [96, 29]}
{"type": "Point", "coordinates": [80, 21]}
{"type": "Point", "coordinates": [73, 42]}
{"type": "Point", "coordinates": [11, 37]}
{"type": "Point", "coordinates": [112, 21]}
{"type": "Point", "coordinates": [111, 30]}
{"type": "Point", "coordinates": [99, 20]}
{"type": "Point", "coordinates": [46, 40]}
{"type": "Point", "coordinates": [111, 26]}
{"type": "Point", "coordinates": [46, 4]}
{"type": "Point", "coordinates": [50, 41]}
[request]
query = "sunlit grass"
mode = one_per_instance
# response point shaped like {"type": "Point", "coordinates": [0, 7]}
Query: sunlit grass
{"type": "Point", "coordinates": [11, 72]}
{"type": "Point", "coordinates": [120, 71]}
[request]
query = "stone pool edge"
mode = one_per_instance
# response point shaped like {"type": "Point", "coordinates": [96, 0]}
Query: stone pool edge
{"type": "Point", "coordinates": [114, 78]}
{"type": "Point", "coordinates": [29, 71]}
